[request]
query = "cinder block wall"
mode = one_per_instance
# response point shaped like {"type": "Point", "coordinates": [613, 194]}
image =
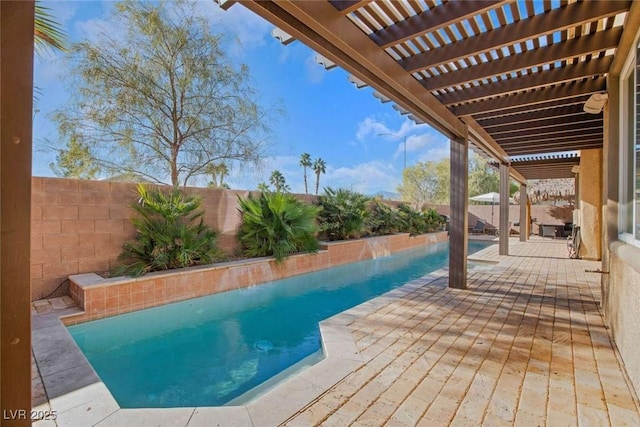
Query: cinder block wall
{"type": "Point", "coordinates": [78, 226]}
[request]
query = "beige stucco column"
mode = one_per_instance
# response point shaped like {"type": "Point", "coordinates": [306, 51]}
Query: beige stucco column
{"type": "Point", "coordinates": [459, 201]}
{"type": "Point", "coordinates": [524, 218]}
{"type": "Point", "coordinates": [16, 81]}
{"type": "Point", "coordinates": [503, 245]}
{"type": "Point", "coordinates": [590, 202]}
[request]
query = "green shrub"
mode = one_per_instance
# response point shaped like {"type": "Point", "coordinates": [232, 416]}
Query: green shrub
{"type": "Point", "coordinates": [418, 222]}
{"type": "Point", "coordinates": [433, 220]}
{"type": "Point", "coordinates": [170, 234]}
{"type": "Point", "coordinates": [276, 224]}
{"type": "Point", "coordinates": [382, 219]}
{"type": "Point", "coordinates": [342, 214]}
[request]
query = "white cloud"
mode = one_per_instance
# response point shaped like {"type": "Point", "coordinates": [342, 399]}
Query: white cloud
{"type": "Point", "coordinates": [249, 30]}
{"type": "Point", "coordinates": [371, 127]}
{"type": "Point", "coordinates": [425, 145]}
{"type": "Point", "coordinates": [63, 11]}
{"type": "Point", "coordinates": [246, 29]}
{"type": "Point", "coordinates": [92, 29]}
{"type": "Point", "coordinates": [50, 70]}
{"type": "Point", "coordinates": [367, 178]}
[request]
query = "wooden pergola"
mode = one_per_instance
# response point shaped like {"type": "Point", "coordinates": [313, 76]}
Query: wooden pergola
{"type": "Point", "coordinates": [508, 77]}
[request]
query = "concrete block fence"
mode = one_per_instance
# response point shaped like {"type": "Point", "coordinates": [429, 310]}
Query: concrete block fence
{"type": "Point", "coordinates": [78, 226]}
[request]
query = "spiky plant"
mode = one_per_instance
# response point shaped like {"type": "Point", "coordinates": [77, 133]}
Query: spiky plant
{"type": "Point", "coordinates": [342, 214]}
{"type": "Point", "coordinates": [382, 219]}
{"type": "Point", "coordinates": [170, 234]}
{"type": "Point", "coordinates": [276, 224]}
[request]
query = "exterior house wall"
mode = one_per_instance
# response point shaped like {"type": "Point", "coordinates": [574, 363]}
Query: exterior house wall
{"type": "Point", "coordinates": [621, 260]}
{"type": "Point", "coordinates": [624, 307]}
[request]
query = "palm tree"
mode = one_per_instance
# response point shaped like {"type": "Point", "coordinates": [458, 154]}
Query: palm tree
{"type": "Point", "coordinates": [278, 181]}
{"type": "Point", "coordinates": [47, 33]}
{"type": "Point", "coordinates": [263, 187]}
{"type": "Point", "coordinates": [218, 170]}
{"type": "Point", "coordinates": [319, 166]}
{"type": "Point", "coordinates": [305, 162]}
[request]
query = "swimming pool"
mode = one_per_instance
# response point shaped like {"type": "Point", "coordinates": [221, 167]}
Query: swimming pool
{"type": "Point", "coordinates": [210, 350]}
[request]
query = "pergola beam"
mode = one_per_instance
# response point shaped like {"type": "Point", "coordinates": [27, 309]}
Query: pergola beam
{"type": "Point", "coordinates": [592, 127]}
{"type": "Point", "coordinates": [347, 6]}
{"type": "Point", "coordinates": [576, 101]}
{"type": "Point", "coordinates": [572, 136]}
{"type": "Point", "coordinates": [484, 141]}
{"type": "Point", "coordinates": [577, 120]}
{"type": "Point", "coordinates": [541, 79]}
{"type": "Point", "coordinates": [573, 48]}
{"type": "Point", "coordinates": [548, 148]}
{"type": "Point", "coordinates": [533, 116]}
{"type": "Point", "coordinates": [571, 15]}
{"type": "Point", "coordinates": [569, 90]}
{"type": "Point", "coordinates": [432, 20]}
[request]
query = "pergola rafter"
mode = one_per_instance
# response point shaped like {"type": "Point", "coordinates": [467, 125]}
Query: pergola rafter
{"type": "Point", "coordinates": [570, 16]}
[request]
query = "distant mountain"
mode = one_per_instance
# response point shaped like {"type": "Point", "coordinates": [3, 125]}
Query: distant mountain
{"type": "Point", "coordinates": [388, 195]}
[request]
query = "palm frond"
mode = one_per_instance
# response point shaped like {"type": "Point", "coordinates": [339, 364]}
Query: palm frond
{"type": "Point", "coordinates": [48, 33]}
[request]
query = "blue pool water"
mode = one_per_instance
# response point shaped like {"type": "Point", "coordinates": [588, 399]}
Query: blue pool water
{"type": "Point", "coordinates": [210, 350]}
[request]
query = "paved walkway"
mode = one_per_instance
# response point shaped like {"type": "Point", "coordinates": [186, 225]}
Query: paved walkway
{"type": "Point", "coordinates": [524, 345]}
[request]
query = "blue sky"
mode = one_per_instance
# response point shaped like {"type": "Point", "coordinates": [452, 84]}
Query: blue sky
{"type": "Point", "coordinates": [326, 116]}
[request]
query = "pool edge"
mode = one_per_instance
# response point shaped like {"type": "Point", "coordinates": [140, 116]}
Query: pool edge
{"type": "Point", "coordinates": [93, 404]}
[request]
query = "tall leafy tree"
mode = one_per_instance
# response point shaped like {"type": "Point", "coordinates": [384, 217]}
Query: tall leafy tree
{"type": "Point", "coordinates": [305, 162]}
{"type": "Point", "coordinates": [482, 178]}
{"type": "Point", "coordinates": [161, 98]}
{"type": "Point", "coordinates": [426, 182]}
{"type": "Point", "coordinates": [75, 161]}
{"type": "Point", "coordinates": [319, 167]}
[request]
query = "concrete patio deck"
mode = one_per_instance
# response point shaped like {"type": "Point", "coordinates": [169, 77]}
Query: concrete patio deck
{"type": "Point", "coordinates": [524, 345]}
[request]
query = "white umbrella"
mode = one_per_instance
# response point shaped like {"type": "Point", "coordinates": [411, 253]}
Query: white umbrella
{"type": "Point", "coordinates": [492, 198]}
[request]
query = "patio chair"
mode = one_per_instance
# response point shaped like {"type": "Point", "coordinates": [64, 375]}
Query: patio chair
{"type": "Point", "coordinates": [479, 228]}
{"type": "Point", "coordinates": [549, 231]}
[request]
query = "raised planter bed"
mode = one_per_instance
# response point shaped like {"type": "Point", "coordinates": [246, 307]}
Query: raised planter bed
{"type": "Point", "coordinates": [100, 297]}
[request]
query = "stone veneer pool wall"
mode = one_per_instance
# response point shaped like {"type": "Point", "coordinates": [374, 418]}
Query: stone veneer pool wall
{"type": "Point", "coordinates": [100, 297]}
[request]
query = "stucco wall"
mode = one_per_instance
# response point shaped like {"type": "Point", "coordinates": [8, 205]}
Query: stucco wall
{"type": "Point", "coordinates": [623, 308]}
{"type": "Point", "coordinates": [590, 183]}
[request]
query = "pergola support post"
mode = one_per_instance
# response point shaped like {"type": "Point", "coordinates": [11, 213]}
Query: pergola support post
{"type": "Point", "coordinates": [504, 209]}
{"type": "Point", "coordinates": [459, 202]}
{"type": "Point", "coordinates": [524, 220]}
{"type": "Point", "coordinates": [16, 80]}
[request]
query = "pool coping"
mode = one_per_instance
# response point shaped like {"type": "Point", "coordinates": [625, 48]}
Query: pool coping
{"type": "Point", "coordinates": [79, 397]}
